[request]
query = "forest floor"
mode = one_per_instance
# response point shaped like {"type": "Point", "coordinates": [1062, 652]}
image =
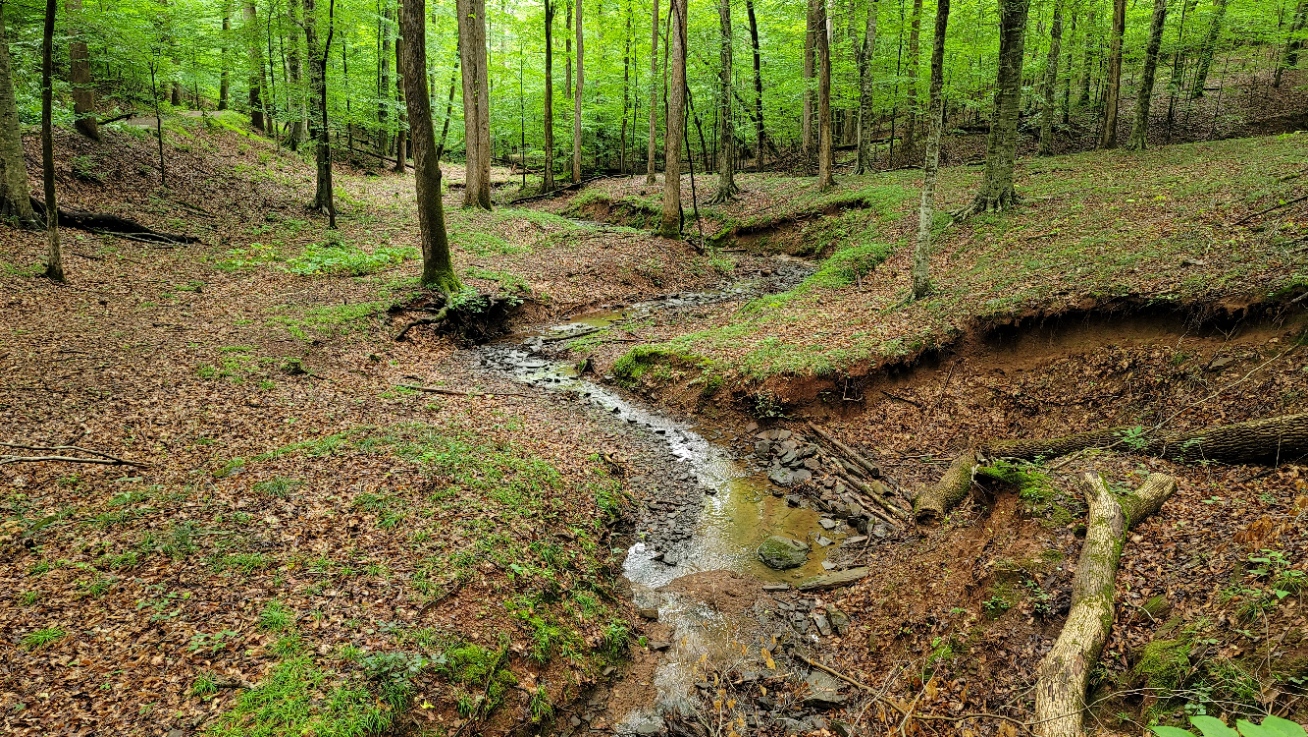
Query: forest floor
{"type": "Point", "coordinates": [310, 545]}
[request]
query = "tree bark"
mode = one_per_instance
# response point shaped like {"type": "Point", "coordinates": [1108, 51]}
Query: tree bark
{"type": "Point", "coordinates": [652, 152]}
{"type": "Point", "coordinates": [401, 132]}
{"type": "Point", "coordinates": [15, 200]}
{"type": "Point", "coordinates": [547, 177]}
{"type": "Point", "coordinates": [826, 148]}
{"type": "Point", "coordinates": [930, 168]}
{"type": "Point", "coordinates": [54, 264]}
{"type": "Point", "coordinates": [914, 73]}
{"type": "Point", "coordinates": [676, 123]}
{"type": "Point", "coordinates": [997, 191]}
{"type": "Point", "coordinates": [437, 266]}
{"type": "Point", "coordinates": [576, 105]}
{"type": "Point", "coordinates": [384, 82]}
{"type": "Point", "coordinates": [1208, 48]}
{"type": "Point", "coordinates": [296, 72]}
{"type": "Point", "coordinates": [810, 42]}
{"type": "Point", "coordinates": [1140, 130]}
{"type": "Point", "coordinates": [1113, 84]}
{"type": "Point", "coordinates": [476, 104]}
{"type": "Point", "coordinates": [759, 135]}
{"type": "Point", "coordinates": [567, 50]}
{"type": "Point", "coordinates": [224, 81]}
{"type": "Point", "coordinates": [323, 199]}
{"type": "Point", "coordinates": [255, 62]}
{"type": "Point", "coordinates": [1048, 102]}
{"type": "Point", "coordinates": [1293, 44]}
{"type": "Point", "coordinates": [865, 122]}
{"type": "Point", "coordinates": [727, 188]}
{"type": "Point", "coordinates": [79, 75]}
{"type": "Point", "coordinates": [1064, 673]}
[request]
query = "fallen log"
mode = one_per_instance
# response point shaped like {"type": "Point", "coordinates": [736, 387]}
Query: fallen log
{"type": "Point", "coordinates": [106, 224]}
{"type": "Point", "coordinates": [934, 501]}
{"type": "Point", "coordinates": [848, 452]}
{"type": "Point", "coordinates": [1064, 673]}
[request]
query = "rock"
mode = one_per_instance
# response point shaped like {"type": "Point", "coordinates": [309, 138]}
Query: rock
{"type": "Point", "coordinates": [787, 458]}
{"type": "Point", "coordinates": [828, 565]}
{"type": "Point", "coordinates": [647, 724]}
{"type": "Point", "coordinates": [839, 620]}
{"type": "Point", "coordinates": [801, 476]}
{"type": "Point", "coordinates": [751, 427]}
{"type": "Point", "coordinates": [776, 587]}
{"type": "Point", "coordinates": [832, 580]}
{"type": "Point", "coordinates": [854, 540]}
{"type": "Point", "coordinates": [842, 730]}
{"type": "Point", "coordinates": [823, 541]}
{"type": "Point", "coordinates": [670, 559]}
{"type": "Point", "coordinates": [782, 477]}
{"type": "Point", "coordinates": [792, 726]}
{"type": "Point", "coordinates": [814, 464]}
{"type": "Point", "coordinates": [782, 553]}
{"type": "Point", "coordinates": [827, 524]}
{"type": "Point", "coordinates": [880, 530]}
{"type": "Point", "coordinates": [646, 601]}
{"type": "Point", "coordinates": [783, 434]}
{"type": "Point", "coordinates": [806, 451]}
{"type": "Point", "coordinates": [1220, 363]}
{"type": "Point", "coordinates": [793, 500]}
{"type": "Point", "coordinates": [824, 691]}
{"type": "Point", "coordinates": [659, 645]}
{"type": "Point", "coordinates": [823, 625]}
{"type": "Point", "coordinates": [763, 449]}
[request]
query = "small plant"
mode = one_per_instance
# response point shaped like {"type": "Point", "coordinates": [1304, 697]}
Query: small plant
{"type": "Point", "coordinates": [1272, 726]}
{"type": "Point", "coordinates": [42, 638]}
{"type": "Point", "coordinates": [278, 488]}
{"type": "Point", "coordinates": [28, 598]}
{"type": "Point", "coordinates": [1135, 438]}
{"type": "Point", "coordinates": [87, 169]}
{"type": "Point", "coordinates": [996, 606]}
{"type": "Point", "coordinates": [392, 675]}
{"type": "Point", "coordinates": [276, 617]}
{"type": "Point", "coordinates": [210, 643]}
{"type": "Point", "coordinates": [767, 405]}
{"type": "Point", "coordinates": [205, 686]}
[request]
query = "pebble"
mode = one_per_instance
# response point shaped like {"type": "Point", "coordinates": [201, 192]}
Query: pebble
{"type": "Point", "coordinates": [823, 541]}
{"type": "Point", "coordinates": [854, 540]}
{"type": "Point", "coordinates": [827, 523]}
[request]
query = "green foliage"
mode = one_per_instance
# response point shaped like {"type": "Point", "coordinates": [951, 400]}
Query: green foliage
{"type": "Point", "coordinates": [278, 488]}
{"type": "Point", "coordinates": [334, 257]}
{"type": "Point", "coordinates": [42, 638]}
{"type": "Point", "coordinates": [298, 698]}
{"type": "Point", "coordinates": [276, 617]}
{"type": "Point", "coordinates": [1271, 726]}
{"type": "Point", "coordinates": [1040, 498]}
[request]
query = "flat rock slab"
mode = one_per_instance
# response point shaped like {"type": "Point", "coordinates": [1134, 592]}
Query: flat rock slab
{"type": "Point", "coordinates": [833, 580]}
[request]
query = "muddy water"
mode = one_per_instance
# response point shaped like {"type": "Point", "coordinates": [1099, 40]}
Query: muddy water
{"type": "Point", "coordinates": [738, 512]}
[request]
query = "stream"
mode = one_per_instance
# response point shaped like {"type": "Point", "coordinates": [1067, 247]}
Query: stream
{"type": "Point", "coordinates": [728, 510]}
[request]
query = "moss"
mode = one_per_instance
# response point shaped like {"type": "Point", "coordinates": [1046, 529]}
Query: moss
{"type": "Point", "coordinates": [645, 360]}
{"type": "Point", "coordinates": [1040, 498]}
{"type": "Point", "coordinates": [1164, 664]}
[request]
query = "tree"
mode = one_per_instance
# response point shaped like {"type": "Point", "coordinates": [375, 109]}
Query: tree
{"type": "Point", "coordinates": [54, 264]}
{"type": "Point", "coordinates": [437, 266]}
{"type": "Point", "coordinates": [79, 75]}
{"type": "Point", "coordinates": [810, 39]}
{"type": "Point", "coordinates": [865, 129]}
{"type": "Point", "coordinates": [255, 61]}
{"type": "Point", "coordinates": [1001, 147]}
{"type": "Point", "coordinates": [1208, 48]}
{"type": "Point", "coordinates": [935, 122]}
{"type": "Point", "coordinates": [727, 188]}
{"type": "Point", "coordinates": [914, 72]}
{"type": "Point", "coordinates": [676, 124]}
{"type": "Point", "coordinates": [1140, 130]}
{"type": "Point", "coordinates": [1048, 96]}
{"type": "Point", "coordinates": [15, 200]}
{"type": "Point", "coordinates": [1113, 84]}
{"type": "Point", "coordinates": [476, 103]}
{"type": "Point", "coordinates": [576, 109]}
{"type": "Point", "coordinates": [1293, 43]}
{"type": "Point", "coordinates": [758, 84]}
{"type": "Point", "coordinates": [826, 148]}
{"type": "Point", "coordinates": [224, 83]}
{"type": "Point", "coordinates": [401, 150]}
{"type": "Point", "coordinates": [296, 73]}
{"type": "Point", "coordinates": [323, 199]}
{"type": "Point", "coordinates": [652, 153]}
{"type": "Point", "coordinates": [384, 79]}
{"type": "Point", "coordinates": [547, 178]}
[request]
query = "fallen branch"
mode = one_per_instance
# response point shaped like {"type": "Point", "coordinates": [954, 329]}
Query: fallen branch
{"type": "Point", "coordinates": [439, 317]}
{"type": "Point", "coordinates": [934, 501]}
{"type": "Point", "coordinates": [1273, 208]}
{"type": "Point", "coordinates": [101, 458]}
{"type": "Point", "coordinates": [456, 392]}
{"type": "Point", "coordinates": [849, 452]}
{"type": "Point", "coordinates": [1064, 673]}
{"type": "Point", "coordinates": [105, 224]}
{"type": "Point", "coordinates": [905, 400]}
{"type": "Point", "coordinates": [899, 514]}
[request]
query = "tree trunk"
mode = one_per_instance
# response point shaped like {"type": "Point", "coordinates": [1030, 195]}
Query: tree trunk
{"type": "Point", "coordinates": [15, 199]}
{"type": "Point", "coordinates": [1108, 133]}
{"type": "Point", "coordinates": [437, 266]}
{"type": "Point", "coordinates": [401, 147]}
{"type": "Point", "coordinates": [449, 111]}
{"type": "Point", "coordinates": [255, 61]}
{"type": "Point", "coordinates": [547, 177]}
{"type": "Point", "coordinates": [758, 86]}
{"type": "Point", "coordinates": [727, 189]}
{"type": "Point", "coordinates": [1067, 78]}
{"type": "Point", "coordinates": [576, 105]}
{"type": "Point", "coordinates": [931, 166]}
{"type": "Point", "coordinates": [476, 104]}
{"type": "Point", "coordinates": [914, 71]}
{"type": "Point", "coordinates": [676, 123]}
{"type": "Point", "coordinates": [1064, 673]}
{"type": "Point", "coordinates": [1208, 48]}
{"type": "Point", "coordinates": [810, 40]}
{"type": "Point", "coordinates": [567, 51]}
{"type": "Point", "coordinates": [865, 123]}
{"type": "Point", "coordinates": [323, 200]}
{"type": "Point", "coordinates": [1290, 59]}
{"type": "Point", "coordinates": [79, 76]}
{"type": "Point", "coordinates": [295, 101]}
{"type": "Point", "coordinates": [826, 149]}
{"type": "Point", "coordinates": [384, 83]}
{"type": "Point", "coordinates": [652, 152]}
{"type": "Point", "coordinates": [1048, 102]}
{"type": "Point", "coordinates": [627, 103]}
{"type": "Point", "coordinates": [54, 265]}
{"type": "Point", "coordinates": [1001, 147]}
{"type": "Point", "coordinates": [1145, 95]}
{"type": "Point", "coordinates": [224, 81]}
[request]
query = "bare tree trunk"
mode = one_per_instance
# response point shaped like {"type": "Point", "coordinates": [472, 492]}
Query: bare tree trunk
{"type": "Point", "coordinates": [1064, 673]}
{"type": "Point", "coordinates": [576, 105]}
{"type": "Point", "coordinates": [865, 130]}
{"type": "Point", "coordinates": [810, 40]}
{"type": "Point", "coordinates": [15, 199]}
{"type": "Point", "coordinates": [826, 148]}
{"type": "Point", "coordinates": [476, 104]}
{"type": "Point", "coordinates": [323, 199]}
{"type": "Point", "coordinates": [437, 266]}
{"type": "Point", "coordinates": [1108, 133]}
{"type": "Point", "coordinates": [401, 147]}
{"type": "Point", "coordinates": [567, 51]}
{"type": "Point", "coordinates": [224, 81]}
{"type": "Point", "coordinates": [1001, 147]}
{"type": "Point", "coordinates": [758, 86]}
{"type": "Point", "coordinates": [255, 61]}
{"type": "Point", "coordinates": [54, 264]}
{"type": "Point", "coordinates": [627, 60]}
{"type": "Point", "coordinates": [1207, 50]}
{"type": "Point", "coordinates": [79, 75]}
{"type": "Point", "coordinates": [676, 123]}
{"type": "Point", "coordinates": [296, 95]}
{"type": "Point", "coordinates": [384, 81]}
{"type": "Point", "coordinates": [727, 188]}
{"type": "Point", "coordinates": [547, 178]}
{"type": "Point", "coordinates": [1048, 103]}
{"type": "Point", "coordinates": [914, 73]}
{"type": "Point", "coordinates": [1140, 130]}
{"type": "Point", "coordinates": [930, 168]}
{"type": "Point", "coordinates": [1290, 59]}
{"type": "Point", "coordinates": [449, 110]}
{"type": "Point", "coordinates": [652, 152]}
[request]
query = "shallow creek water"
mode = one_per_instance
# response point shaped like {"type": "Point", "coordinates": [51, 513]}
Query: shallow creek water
{"type": "Point", "coordinates": [738, 512]}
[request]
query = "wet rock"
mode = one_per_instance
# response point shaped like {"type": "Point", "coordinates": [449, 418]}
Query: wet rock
{"type": "Point", "coordinates": [839, 620]}
{"type": "Point", "coordinates": [824, 691]}
{"type": "Point", "coordinates": [823, 625]}
{"type": "Point", "coordinates": [823, 541]}
{"type": "Point", "coordinates": [828, 565]}
{"type": "Point", "coordinates": [776, 587]}
{"type": "Point", "coordinates": [802, 476]}
{"type": "Point", "coordinates": [832, 580]}
{"type": "Point", "coordinates": [782, 477]}
{"type": "Point", "coordinates": [670, 559]}
{"type": "Point", "coordinates": [827, 524]}
{"type": "Point", "coordinates": [783, 553]}
{"type": "Point", "coordinates": [793, 500]}
{"type": "Point", "coordinates": [646, 601]}
{"type": "Point", "coordinates": [659, 645]}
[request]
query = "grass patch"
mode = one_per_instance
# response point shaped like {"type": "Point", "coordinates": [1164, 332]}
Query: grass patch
{"type": "Point", "coordinates": [336, 257]}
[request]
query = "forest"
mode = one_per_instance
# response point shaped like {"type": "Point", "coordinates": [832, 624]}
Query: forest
{"type": "Point", "coordinates": [654, 367]}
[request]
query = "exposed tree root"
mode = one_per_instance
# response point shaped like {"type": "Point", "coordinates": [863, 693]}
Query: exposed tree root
{"type": "Point", "coordinates": [97, 457]}
{"type": "Point", "coordinates": [1064, 674]}
{"type": "Point", "coordinates": [105, 224]}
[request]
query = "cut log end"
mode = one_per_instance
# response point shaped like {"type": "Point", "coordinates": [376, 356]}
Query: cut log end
{"type": "Point", "coordinates": [935, 501]}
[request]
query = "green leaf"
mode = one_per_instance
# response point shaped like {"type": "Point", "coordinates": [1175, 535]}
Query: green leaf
{"type": "Point", "coordinates": [1213, 727]}
{"type": "Point", "coordinates": [1171, 732]}
{"type": "Point", "coordinates": [1249, 729]}
{"type": "Point", "coordinates": [1283, 727]}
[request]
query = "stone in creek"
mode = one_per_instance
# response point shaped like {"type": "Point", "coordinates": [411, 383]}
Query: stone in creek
{"type": "Point", "coordinates": [763, 449]}
{"type": "Point", "coordinates": [647, 601]}
{"type": "Point", "coordinates": [659, 645]}
{"type": "Point", "coordinates": [783, 553]}
{"type": "Point", "coordinates": [781, 477]}
{"type": "Point", "coordinates": [802, 476]}
{"type": "Point", "coordinates": [827, 524]}
{"type": "Point", "coordinates": [670, 559]}
{"type": "Point", "coordinates": [839, 620]}
{"type": "Point", "coordinates": [824, 691]}
{"type": "Point", "coordinates": [823, 541]}
{"type": "Point", "coordinates": [822, 624]}
{"type": "Point", "coordinates": [776, 587]}
{"type": "Point", "coordinates": [793, 500]}
{"type": "Point", "coordinates": [832, 580]}
{"type": "Point", "coordinates": [828, 565]}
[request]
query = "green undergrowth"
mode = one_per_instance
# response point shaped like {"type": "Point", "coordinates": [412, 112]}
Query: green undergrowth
{"type": "Point", "coordinates": [337, 257]}
{"type": "Point", "coordinates": [1040, 498]}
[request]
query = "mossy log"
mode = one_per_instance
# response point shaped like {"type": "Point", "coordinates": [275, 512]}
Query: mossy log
{"type": "Point", "coordinates": [934, 501]}
{"type": "Point", "coordinates": [1064, 673]}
